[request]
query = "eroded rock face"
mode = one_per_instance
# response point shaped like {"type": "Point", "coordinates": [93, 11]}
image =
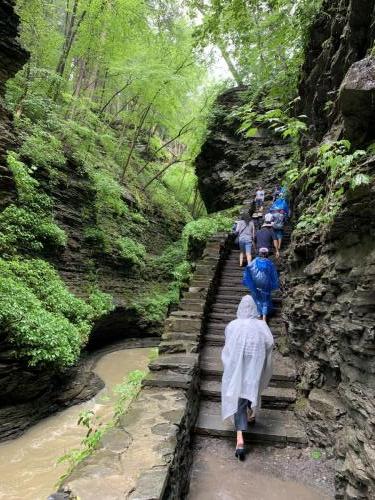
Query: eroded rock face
{"type": "Point", "coordinates": [341, 35]}
{"type": "Point", "coordinates": [330, 305]}
{"type": "Point", "coordinates": [357, 102]}
{"type": "Point", "coordinates": [29, 395]}
{"type": "Point", "coordinates": [229, 167]}
{"type": "Point", "coordinates": [12, 58]}
{"type": "Point", "coordinates": [330, 309]}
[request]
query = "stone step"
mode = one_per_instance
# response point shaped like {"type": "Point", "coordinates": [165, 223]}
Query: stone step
{"type": "Point", "coordinates": [238, 289]}
{"type": "Point", "coordinates": [217, 338]}
{"type": "Point", "coordinates": [217, 327]}
{"type": "Point", "coordinates": [235, 298]}
{"type": "Point", "coordinates": [272, 397]}
{"type": "Point", "coordinates": [232, 288]}
{"type": "Point", "coordinates": [225, 316]}
{"type": "Point", "coordinates": [231, 308]}
{"type": "Point", "coordinates": [272, 426]}
{"type": "Point", "coordinates": [284, 372]}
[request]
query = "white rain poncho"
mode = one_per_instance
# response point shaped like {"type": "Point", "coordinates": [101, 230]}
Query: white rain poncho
{"type": "Point", "coordinates": [247, 358]}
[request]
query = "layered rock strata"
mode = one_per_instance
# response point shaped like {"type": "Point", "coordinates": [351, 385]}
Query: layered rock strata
{"type": "Point", "coordinates": [342, 34]}
{"type": "Point", "coordinates": [330, 310]}
{"type": "Point", "coordinates": [12, 58]}
{"type": "Point", "coordinates": [229, 167]}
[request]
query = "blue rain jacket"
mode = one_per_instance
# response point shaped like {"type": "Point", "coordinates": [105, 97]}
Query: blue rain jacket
{"type": "Point", "coordinates": [261, 278]}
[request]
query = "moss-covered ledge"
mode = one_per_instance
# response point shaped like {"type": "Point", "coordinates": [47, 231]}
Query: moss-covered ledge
{"type": "Point", "coordinates": [148, 456]}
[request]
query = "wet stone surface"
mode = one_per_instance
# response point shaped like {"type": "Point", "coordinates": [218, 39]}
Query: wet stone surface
{"type": "Point", "coordinates": [268, 473]}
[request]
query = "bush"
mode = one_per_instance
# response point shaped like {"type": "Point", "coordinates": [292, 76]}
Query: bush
{"type": "Point", "coordinates": [131, 251]}
{"type": "Point", "coordinates": [96, 237]}
{"type": "Point", "coordinates": [164, 265]}
{"type": "Point", "coordinates": [42, 149]}
{"type": "Point", "coordinates": [22, 230]}
{"type": "Point", "coordinates": [153, 307]}
{"type": "Point", "coordinates": [201, 229]}
{"type": "Point", "coordinates": [39, 316]}
{"type": "Point", "coordinates": [30, 226]}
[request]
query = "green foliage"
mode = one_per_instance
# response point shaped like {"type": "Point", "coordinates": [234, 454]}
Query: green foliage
{"type": "Point", "coordinates": [30, 226]}
{"type": "Point", "coordinates": [21, 230]}
{"type": "Point", "coordinates": [95, 431]}
{"type": "Point", "coordinates": [201, 229]}
{"type": "Point", "coordinates": [316, 454]}
{"type": "Point", "coordinates": [127, 391]}
{"type": "Point", "coordinates": [276, 119]}
{"type": "Point", "coordinates": [41, 148]}
{"type": "Point", "coordinates": [153, 306]}
{"type": "Point", "coordinates": [263, 41]}
{"type": "Point", "coordinates": [131, 251]}
{"type": "Point", "coordinates": [164, 265]}
{"type": "Point", "coordinates": [335, 171]}
{"type": "Point", "coordinates": [40, 318]}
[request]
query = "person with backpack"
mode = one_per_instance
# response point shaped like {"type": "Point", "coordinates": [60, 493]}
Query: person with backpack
{"type": "Point", "coordinates": [261, 278]}
{"type": "Point", "coordinates": [278, 227]}
{"type": "Point", "coordinates": [265, 237]}
{"type": "Point", "coordinates": [245, 234]}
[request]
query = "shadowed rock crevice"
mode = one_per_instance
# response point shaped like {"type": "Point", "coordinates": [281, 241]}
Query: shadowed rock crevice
{"type": "Point", "coordinates": [230, 167]}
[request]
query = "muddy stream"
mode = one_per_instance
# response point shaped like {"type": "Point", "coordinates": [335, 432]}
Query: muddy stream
{"type": "Point", "coordinates": [28, 469]}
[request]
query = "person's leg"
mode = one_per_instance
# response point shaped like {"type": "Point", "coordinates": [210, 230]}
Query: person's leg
{"type": "Point", "coordinates": [240, 421]}
{"type": "Point", "coordinates": [242, 251]}
{"type": "Point", "coordinates": [248, 252]}
{"type": "Point", "coordinates": [264, 311]}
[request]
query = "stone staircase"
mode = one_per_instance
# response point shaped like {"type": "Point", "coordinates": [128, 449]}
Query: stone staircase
{"type": "Point", "coordinates": [276, 422]}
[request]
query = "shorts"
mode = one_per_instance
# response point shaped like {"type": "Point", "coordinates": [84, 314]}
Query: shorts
{"type": "Point", "coordinates": [245, 246]}
{"type": "Point", "coordinates": [279, 233]}
{"type": "Point", "coordinates": [259, 203]}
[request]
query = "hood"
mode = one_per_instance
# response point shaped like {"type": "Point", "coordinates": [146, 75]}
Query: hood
{"type": "Point", "coordinates": [247, 308]}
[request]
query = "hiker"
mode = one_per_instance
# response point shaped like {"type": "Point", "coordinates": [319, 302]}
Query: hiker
{"type": "Point", "coordinates": [278, 221]}
{"type": "Point", "coordinates": [259, 198]}
{"type": "Point", "coordinates": [257, 218]}
{"type": "Point", "coordinates": [265, 237]}
{"type": "Point", "coordinates": [247, 361]}
{"type": "Point", "coordinates": [261, 278]}
{"type": "Point", "coordinates": [276, 192]}
{"type": "Point", "coordinates": [245, 232]}
{"type": "Point", "coordinates": [280, 204]}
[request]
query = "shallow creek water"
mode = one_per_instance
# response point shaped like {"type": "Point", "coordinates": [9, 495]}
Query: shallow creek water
{"type": "Point", "coordinates": [28, 469]}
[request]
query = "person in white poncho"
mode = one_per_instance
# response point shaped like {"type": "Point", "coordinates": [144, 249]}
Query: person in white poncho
{"type": "Point", "coordinates": [247, 360]}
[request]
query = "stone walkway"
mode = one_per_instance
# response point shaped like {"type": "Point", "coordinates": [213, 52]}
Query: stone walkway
{"type": "Point", "coordinates": [276, 422]}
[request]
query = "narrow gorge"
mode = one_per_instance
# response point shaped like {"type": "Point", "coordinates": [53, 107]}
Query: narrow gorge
{"type": "Point", "coordinates": [122, 172]}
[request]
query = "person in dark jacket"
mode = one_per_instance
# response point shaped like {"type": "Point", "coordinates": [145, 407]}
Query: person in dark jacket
{"type": "Point", "coordinates": [266, 238]}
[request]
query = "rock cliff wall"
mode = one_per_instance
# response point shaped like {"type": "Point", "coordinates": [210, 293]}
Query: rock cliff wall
{"type": "Point", "coordinates": [12, 58]}
{"type": "Point", "coordinates": [229, 167]}
{"type": "Point", "coordinates": [341, 35]}
{"type": "Point", "coordinates": [330, 311]}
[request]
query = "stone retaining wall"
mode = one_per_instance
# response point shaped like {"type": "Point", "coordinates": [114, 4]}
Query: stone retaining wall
{"type": "Point", "coordinates": [148, 456]}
